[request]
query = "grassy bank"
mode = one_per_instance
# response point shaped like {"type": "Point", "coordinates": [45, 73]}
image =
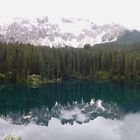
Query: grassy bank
{"type": "Point", "coordinates": [36, 80]}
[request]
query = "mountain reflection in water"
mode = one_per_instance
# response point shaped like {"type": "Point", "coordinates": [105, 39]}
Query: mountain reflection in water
{"type": "Point", "coordinates": [98, 129]}
{"type": "Point", "coordinates": [72, 110]}
{"type": "Point", "coordinates": [80, 113]}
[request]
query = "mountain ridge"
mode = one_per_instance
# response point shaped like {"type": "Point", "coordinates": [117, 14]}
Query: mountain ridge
{"type": "Point", "coordinates": [66, 32]}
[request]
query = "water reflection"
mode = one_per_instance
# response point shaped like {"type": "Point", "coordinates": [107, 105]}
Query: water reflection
{"type": "Point", "coordinates": [98, 129]}
{"type": "Point", "coordinates": [72, 110]}
{"type": "Point", "coordinates": [78, 112]}
{"type": "Point", "coordinates": [19, 98]}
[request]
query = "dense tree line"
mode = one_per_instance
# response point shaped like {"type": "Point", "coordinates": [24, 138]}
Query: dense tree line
{"type": "Point", "coordinates": [105, 61]}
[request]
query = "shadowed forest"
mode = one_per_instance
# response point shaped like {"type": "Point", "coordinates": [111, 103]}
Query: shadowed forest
{"type": "Point", "coordinates": [111, 61]}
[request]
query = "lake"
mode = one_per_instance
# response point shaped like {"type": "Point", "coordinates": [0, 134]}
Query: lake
{"type": "Point", "coordinates": [71, 110]}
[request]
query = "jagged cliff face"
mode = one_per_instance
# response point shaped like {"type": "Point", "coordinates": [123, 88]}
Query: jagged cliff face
{"type": "Point", "coordinates": [71, 32]}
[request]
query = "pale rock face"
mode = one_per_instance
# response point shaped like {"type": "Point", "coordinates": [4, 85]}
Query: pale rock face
{"type": "Point", "coordinates": [70, 32]}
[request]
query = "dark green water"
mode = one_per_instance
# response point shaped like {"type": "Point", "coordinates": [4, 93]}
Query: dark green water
{"type": "Point", "coordinates": [75, 104]}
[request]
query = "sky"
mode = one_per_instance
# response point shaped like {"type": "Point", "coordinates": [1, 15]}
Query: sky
{"type": "Point", "coordinates": [124, 12]}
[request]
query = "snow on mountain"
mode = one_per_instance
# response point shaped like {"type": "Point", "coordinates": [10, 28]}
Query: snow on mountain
{"type": "Point", "coordinates": [70, 32]}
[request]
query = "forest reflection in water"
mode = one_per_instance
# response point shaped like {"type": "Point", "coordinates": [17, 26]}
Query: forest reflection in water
{"type": "Point", "coordinates": [72, 110]}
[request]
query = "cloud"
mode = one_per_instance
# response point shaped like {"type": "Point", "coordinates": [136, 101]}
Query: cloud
{"type": "Point", "coordinates": [130, 129]}
{"type": "Point", "coordinates": [99, 129]}
{"type": "Point", "coordinates": [124, 12]}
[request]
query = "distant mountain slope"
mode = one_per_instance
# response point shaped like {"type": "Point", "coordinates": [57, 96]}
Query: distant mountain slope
{"type": "Point", "coordinates": [129, 37]}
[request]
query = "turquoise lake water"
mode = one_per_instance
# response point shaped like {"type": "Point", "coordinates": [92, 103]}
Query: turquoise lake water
{"type": "Point", "coordinates": [71, 110]}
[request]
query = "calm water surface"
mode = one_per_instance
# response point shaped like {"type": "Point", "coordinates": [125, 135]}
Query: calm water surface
{"type": "Point", "coordinates": [71, 110]}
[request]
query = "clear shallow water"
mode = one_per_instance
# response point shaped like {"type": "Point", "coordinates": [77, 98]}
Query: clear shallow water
{"type": "Point", "coordinates": [72, 110]}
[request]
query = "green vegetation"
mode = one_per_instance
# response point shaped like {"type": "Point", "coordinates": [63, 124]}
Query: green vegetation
{"type": "Point", "coordinates": [11, 137]}
{"type": "Point", "coordinates": [6, 77]}
{"type": "Point", "coordinates": [34, 80]}
{"type": "Point", "coordinates": [103, 75]}
{"type": "Point", "coordinates": [25, 63]}
{"type": "Point", "coordinates": [2, 78]}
